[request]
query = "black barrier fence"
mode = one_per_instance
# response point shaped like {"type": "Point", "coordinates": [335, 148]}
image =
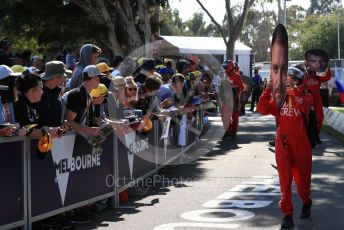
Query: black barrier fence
{"type": "Point", "coordinates": [13, 198]}
{"type": "Point", "coordinates": [76, 173]}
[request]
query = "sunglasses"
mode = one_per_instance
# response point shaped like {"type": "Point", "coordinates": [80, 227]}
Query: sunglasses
{"type": "Point", "coordinates": [132, 89]}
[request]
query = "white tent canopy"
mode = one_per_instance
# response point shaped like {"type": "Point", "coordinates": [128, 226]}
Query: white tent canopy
{"type": "Point", "coordinates": [211, 46]}
{"type": "Point", "coordinates": [205, 45]}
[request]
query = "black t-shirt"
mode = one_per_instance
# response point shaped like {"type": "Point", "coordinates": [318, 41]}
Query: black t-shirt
{"type": "Point", "coordinates": [25, 112]}
{"type": "Point", "coordinates": [106, 81]}
{"type": "Point", "coordinates": [50, 107]}
{"type": "Point", "coordinates": [79, 101]}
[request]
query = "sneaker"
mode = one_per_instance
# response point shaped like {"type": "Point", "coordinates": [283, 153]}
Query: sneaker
{"type": "Point", "coordinates": [287, 222]}
{"type": "Point", "coordinates": [63, 223]}
{"type": "Point", "coordinates": [272, 143]}
{"type": "Point", "coordinates": [226, 135]}
{"type": "Point", "coordinates": [79, 219]}
{"type": "Point", "coordinates": [306, 211]}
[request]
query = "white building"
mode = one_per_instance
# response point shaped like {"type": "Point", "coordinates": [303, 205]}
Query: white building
{"type": "Point", "coordinates": [211, 47]}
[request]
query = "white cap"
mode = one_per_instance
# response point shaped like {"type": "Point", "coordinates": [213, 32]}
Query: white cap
{"type": "Point", "coordinates": [6, 71]}
{"type": "Point", "coordinates": [92, 71]}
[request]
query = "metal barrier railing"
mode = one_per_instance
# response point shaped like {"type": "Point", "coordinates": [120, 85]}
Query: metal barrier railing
{"type": "Point", "coordinates": [76, 174]}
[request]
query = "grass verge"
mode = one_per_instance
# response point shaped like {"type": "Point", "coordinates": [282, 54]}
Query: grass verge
{"type": "Point", "coordinates": [332, 132]}
{"type": "Point", "coordinates": [338, 109]}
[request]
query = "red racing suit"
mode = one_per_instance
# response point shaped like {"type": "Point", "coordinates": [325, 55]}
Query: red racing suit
{"type": "Point", "coordinates": [237, 86]}
{"type": "Point", "coordinates": [293, 150]}
{"type": "Point", "coordinates": [313, 84]}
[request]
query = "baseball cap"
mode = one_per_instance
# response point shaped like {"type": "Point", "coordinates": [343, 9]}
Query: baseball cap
{"type": "Point", "coordinates": [6, 71]}
{"type": "Point", "coordinates": [101, 90]}
{"type": "Point", "coordinates": [92, 71]}
{"type": "Point", "coordinates": [103, 67]}
{"type": "Point", "coordinates": [54, 69]}
{"type": "Point", "coordinates": [18, 68]}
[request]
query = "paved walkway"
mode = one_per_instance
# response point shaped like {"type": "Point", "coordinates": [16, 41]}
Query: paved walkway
{"type": "Point", "coordinates": [200, 194]}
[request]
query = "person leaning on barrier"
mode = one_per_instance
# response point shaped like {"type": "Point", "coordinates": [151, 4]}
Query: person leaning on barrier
{"type": "Point", "coordinates": [7, 97]}
{"type": "Point", "coordinates": [79, 102]}
{"type": "Point", "coordinates": [105, 69]}
{"type": "Point", "coordinates": [115, 101]}
{"type": "Point", "coordinates": [147, 69]}
{"type": "Point", "coordinates": [178, 97]}
{"type": "Point", "coordinates": [29, 87]}
{"type": "Point", "coordinates": [49, 108]}
{"type": "Point", "coordinates": [149, 99]}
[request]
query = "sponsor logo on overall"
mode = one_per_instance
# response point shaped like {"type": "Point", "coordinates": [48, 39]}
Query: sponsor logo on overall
{"type": "Point", "coordinates": [65, 163]}
{"type": "Point", "coordinates": [285, 111]}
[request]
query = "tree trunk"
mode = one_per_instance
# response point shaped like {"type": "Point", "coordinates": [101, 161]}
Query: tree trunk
{"type": "Point", "coordinates": [112, 42]}
{"type": "Point", "coordinates": [279, 12]}
{"type": "Point", "coordinates": [233, 28]}
{"type": "Point", "coordinates": [230, 45]}
{"type": "Point", "coordinates": [145, 27]}
{"type": "Point", "coordinates": [128, 24]}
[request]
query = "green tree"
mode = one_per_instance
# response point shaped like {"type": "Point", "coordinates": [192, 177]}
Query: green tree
{"type": "Point", "coordinates": [295, 17]}
{"type": "Point", "coordinates": [121, 26]}
{"type": "Point", "coordinates": [257, 32]}
{"type": "Point", "coordinates": [323, 6]}
{"type": "Point", "coordinates": [171, 23]}
{"type": "Point", "coordinates": [320, 31]}
{"type": "Point", "coordinates": [232, 29]}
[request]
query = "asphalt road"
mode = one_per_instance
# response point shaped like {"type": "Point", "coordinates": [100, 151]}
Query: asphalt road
{"type": "Point", "coordinates": [215, 176]}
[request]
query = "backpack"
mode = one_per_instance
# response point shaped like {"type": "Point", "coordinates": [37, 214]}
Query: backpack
{"type": "Point", "coordinates": [311, 127]}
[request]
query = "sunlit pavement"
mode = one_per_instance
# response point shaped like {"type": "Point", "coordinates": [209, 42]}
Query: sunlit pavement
{"type": "Point", "coordinates": [193, 195]}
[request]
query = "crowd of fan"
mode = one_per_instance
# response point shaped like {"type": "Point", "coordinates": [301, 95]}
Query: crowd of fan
{"type": "Point", "coordinates": [61, 95]}
{"type": "Point", "coordinates": [38, 96]}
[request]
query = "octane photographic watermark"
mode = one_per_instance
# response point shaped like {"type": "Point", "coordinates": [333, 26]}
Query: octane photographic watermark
{"type": "Point", "coordinates": [154, 181]}
{"type": "Point", "coordinates": [179, 130]}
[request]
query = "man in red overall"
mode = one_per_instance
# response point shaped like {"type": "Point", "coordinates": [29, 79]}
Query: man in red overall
{"type": "Point", "coordinates": [316, 62]}
{"type": "Point", "coordinates": [293, 149]}
{"type": "Point", "coordinates": [237, 86]}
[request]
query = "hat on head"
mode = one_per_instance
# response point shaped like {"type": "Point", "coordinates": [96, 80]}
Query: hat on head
{"type": "Point", "coordinates": [33, 69]}
{"type": "Point", "coordinates": [54, 69]}
{"type": "Point", "coordinates": [6, 71]}
{"type": "Point", "coordinates": [182, 64]}
{"type": "Point", "coordinates": [18, 68]}
{"type": "Point", "coordinates": [148, 64]}
{"type": "Point", "coordinates": [119, 82]}
{"type": "Point", "coordinates": [103, 67]}
{"type": "Point", "coordinates": [92, 71]}
{"type": "Point", "coordinates": [101, 90]}
{"type": "Point", "coordinates": [165, 70]}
